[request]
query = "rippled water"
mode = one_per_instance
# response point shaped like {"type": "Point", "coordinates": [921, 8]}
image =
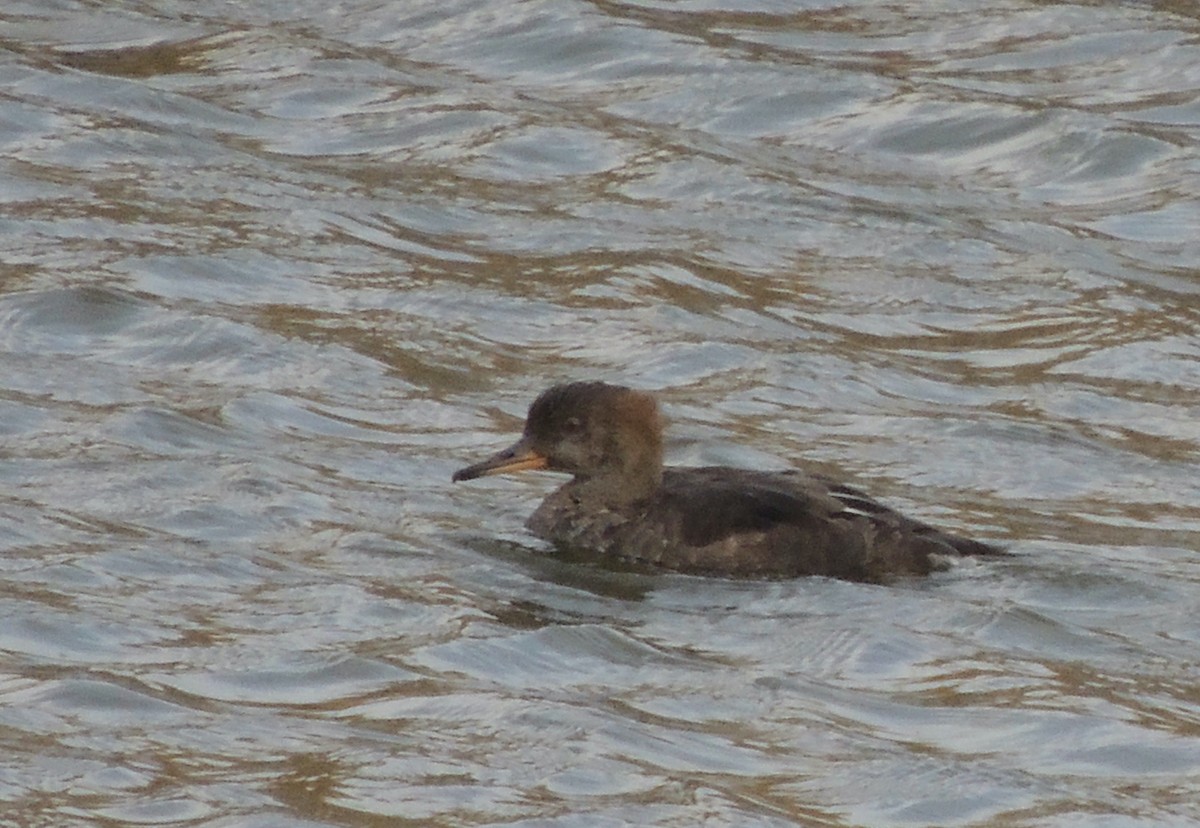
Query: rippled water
{"type": "Point", "coordinates": [269, 272]}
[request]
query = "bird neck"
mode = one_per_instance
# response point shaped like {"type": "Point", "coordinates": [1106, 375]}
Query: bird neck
{"type": "Point", "coordinates": [636, 480]}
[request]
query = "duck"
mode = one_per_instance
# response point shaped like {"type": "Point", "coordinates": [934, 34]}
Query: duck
{"type": "Point", "coordinates": [622, 506]}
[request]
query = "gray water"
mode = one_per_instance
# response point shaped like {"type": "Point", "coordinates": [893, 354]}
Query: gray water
{"type": "Point", "coordinates": [270, 272]}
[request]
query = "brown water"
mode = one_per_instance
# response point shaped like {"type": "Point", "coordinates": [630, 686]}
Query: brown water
{"type": "Point", "coordinates": [270, 271]}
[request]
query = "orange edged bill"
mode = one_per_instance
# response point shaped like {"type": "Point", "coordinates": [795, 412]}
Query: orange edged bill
{"type": "Point", "coordinates": [515, 458]}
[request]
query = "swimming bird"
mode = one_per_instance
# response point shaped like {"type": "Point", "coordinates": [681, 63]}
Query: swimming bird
{"type": "Point", "coordinates": [621, 504]}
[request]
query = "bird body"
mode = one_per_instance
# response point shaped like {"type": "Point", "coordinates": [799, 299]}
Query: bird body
{"type": "Point", "coordinates": [622, 505]}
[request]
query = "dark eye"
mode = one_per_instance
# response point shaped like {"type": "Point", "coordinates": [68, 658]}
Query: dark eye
{"type": "Point", "coordinates": [572, 424]}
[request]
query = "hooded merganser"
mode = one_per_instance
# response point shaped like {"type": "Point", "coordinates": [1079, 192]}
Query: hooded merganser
{"type": "Point", "coordinates": [622, 505]}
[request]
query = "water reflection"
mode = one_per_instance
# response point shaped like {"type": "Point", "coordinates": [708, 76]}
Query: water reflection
{"type": "Point", "coordinates": [271, 273]}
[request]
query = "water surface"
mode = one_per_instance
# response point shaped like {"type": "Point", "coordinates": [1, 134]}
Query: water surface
{"type": "Point", "coordinates": [270, 274]}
